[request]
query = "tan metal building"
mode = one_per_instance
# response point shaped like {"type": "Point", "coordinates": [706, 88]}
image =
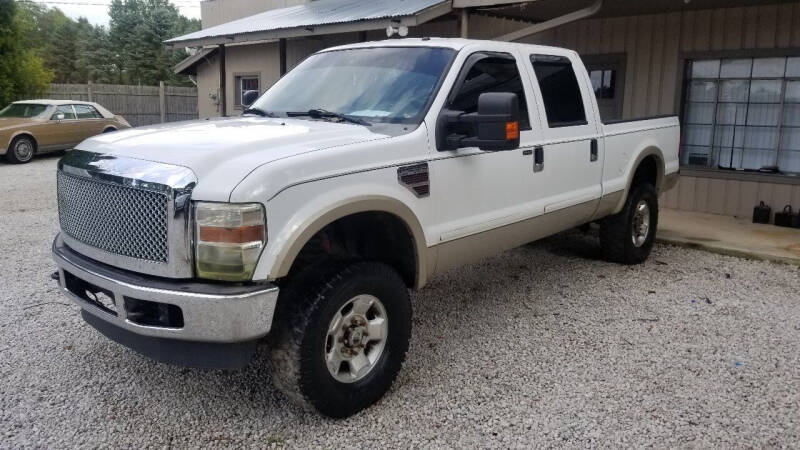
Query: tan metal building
{"type": "Point", "coordinates": [729, 68]}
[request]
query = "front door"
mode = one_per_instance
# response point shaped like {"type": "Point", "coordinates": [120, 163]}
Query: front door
{"type": "Point", "coordinates": [61, 131]}
{"type": "Point", "coordinates": [479, 191]}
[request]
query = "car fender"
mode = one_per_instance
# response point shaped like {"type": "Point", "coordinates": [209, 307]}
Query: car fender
{"type": "Point", "coordinates": [285, 243]}
{"type": "Point", "coordinates": [648, 148]}
{"type": "Point", "coordinates": [14, 135]}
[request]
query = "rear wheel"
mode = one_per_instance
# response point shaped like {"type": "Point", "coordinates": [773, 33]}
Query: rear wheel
{"type": "Point", "coordinates": [627, 237]}
{"type": "Point", "coordinates": [341, 337]}
{"type": "Point", "coordinates": [21, 150]}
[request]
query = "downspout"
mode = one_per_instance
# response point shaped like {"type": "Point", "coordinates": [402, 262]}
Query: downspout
{"type": "Point", "coordinates": [583, 13]}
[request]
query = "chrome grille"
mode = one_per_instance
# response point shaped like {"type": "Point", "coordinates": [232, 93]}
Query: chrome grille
{"type": "Point", "coordinates": [118, 219]}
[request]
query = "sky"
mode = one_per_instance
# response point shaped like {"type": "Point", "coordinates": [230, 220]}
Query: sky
{"type": "Point", "coordinates": [96, 11]}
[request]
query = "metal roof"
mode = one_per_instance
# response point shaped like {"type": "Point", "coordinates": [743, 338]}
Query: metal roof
{"type": "Point", "coordinates": [318, 17]}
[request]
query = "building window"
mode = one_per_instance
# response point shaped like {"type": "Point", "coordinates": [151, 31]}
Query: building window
{"type": "Point", "coordinates": [604, 83]}
{"type": "Point", "coordinates": [563, 102]}
{"type": "Point", "coordinates": [743, 114]}
{"type": "Point", "coordinates": [243, 84]}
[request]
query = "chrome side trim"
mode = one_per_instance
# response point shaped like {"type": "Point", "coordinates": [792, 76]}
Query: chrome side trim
{"type": "Point", "coordinates": [473, 247]}
{"type": "Point", "coordinates": [176, 182]}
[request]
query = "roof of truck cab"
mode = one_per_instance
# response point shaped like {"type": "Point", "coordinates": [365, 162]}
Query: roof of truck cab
{"type": "Point", "coordinates": [454, 43]}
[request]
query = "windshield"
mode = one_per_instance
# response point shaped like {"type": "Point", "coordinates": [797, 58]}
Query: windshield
{"type": "Point", "coordinates": [23, 110]}
{"type": "Point", "coordinates": [385, 84]}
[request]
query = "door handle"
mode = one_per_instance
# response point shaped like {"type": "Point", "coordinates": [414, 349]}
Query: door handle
{"type": "Point", "coordinates": [538, 159]}
{"type": "Point", "coordinates": [593, 150]}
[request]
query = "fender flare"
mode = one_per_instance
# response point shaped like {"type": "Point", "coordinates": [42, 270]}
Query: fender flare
{"type": "Point", "coordinates": [300, 235]}
{"type": "Point", "coordinates": [650, 150]}
{"type": "Point", "coordinates": [19, 133]}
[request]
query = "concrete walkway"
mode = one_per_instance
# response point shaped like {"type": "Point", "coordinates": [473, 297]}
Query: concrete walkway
{"type": "Point", "coordinates": [729, 236]}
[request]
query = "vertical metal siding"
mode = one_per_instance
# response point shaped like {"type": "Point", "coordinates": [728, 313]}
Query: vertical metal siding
{"type": "Point", "coordinates": [653, 45]}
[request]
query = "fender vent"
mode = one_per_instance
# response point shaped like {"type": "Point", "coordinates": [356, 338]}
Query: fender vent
{"type": "Point", "coordinates": [415, 178]}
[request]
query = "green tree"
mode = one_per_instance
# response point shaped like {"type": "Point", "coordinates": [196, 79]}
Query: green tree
{"type": "Point", "coordinates": [137, 31]}
{"type": "Point", "coordinates": [22, 72]}
{"type": "Point", "coordinates": [130, 51]}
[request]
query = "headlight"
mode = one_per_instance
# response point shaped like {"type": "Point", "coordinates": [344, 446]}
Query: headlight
{"type": "Point", "coordinates": [229, 238]}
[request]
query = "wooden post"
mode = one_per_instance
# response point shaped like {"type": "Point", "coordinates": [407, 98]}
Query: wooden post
{"type": "Point", "coordinates": [222, 82]}
{"type": "Point", "coordinates": [282, 55]}
{"type": "Point", "coordinates": [162, 101]}
{"type": "Point", "coordinates": [89, 91]}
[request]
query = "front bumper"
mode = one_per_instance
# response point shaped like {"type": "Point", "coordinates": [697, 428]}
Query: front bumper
{"type": "Point", "coordinates": [152, 315]}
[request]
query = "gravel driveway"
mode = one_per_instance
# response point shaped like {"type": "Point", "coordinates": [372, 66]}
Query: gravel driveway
{"type": "Point", "coordinates": [546, 345]}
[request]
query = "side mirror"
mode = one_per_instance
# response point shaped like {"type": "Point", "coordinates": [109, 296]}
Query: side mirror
{"type": "Point", "coordinates": [60, 116]}
{"type": "Point", "coordinates": [248, 98]}
{"type": "Point", "coordinates": [495, 127]}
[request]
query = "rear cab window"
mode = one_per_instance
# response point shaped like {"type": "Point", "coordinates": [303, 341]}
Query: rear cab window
{"type": "Point", "coordinates": [560, 90]}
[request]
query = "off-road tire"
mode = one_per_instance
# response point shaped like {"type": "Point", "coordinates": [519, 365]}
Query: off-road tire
{"type": "Point", "coordinates": [616, 231]}
{"type": "Point", "coordinates": [11, 153]}
{"type": "Point", "coordinates": [307, 304]}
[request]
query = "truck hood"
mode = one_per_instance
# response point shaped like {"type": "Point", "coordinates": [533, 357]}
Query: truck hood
{"type": "Point", "coordinates": [221, 152]}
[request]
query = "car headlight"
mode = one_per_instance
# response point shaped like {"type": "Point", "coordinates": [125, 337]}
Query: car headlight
{"type": "Point", "coordinates": [229, 238]}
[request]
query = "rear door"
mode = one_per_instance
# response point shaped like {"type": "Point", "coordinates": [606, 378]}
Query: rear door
{"type": "Point", "coordinates": [570, 152]}
{"type": "Point", "coordinates": [89, 122]}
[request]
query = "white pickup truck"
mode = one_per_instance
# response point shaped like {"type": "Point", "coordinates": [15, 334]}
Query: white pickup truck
{"type": "Point", "coordinates": [362, 173]}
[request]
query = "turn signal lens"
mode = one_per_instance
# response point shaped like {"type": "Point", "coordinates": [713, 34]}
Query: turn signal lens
{"type": "Point", "coordinates": [229, 239]}
{"type": "Point", "coordinates": [512, 131]}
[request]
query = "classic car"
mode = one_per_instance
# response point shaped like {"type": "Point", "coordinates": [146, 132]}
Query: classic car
{"type": "Point", "coordinates": [39, 126]}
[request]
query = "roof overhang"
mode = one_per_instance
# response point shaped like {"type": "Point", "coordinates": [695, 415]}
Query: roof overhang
{"type": "Point", "coordinates": [188, 66]}
{"type": "Point", "coordinates": [318, 18]}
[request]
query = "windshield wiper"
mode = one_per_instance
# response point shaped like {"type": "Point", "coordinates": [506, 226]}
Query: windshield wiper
{"type": "Point", "coordinates": [319, 113]}
{"type": "Point", "coordinates": [259, 112]}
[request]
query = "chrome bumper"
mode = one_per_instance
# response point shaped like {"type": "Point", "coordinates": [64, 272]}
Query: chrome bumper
{"type": "Point", "coordinates": [211, 313]}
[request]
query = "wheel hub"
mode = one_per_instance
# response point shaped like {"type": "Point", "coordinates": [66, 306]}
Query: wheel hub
{"type": "Point", "coordinates": [23, 150]}
{"type": "Point", "coordinates": [356, 338]}
{"type": "Point", "coordinates": [641, 223]}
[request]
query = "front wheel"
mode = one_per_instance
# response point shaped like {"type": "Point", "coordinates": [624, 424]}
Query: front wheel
{"type": "Point", "coordinates": [627, 237]}
{"type": "Point", "coordinates": [21, 150]}
{"type": "Point", "coordinates": [341, 337]}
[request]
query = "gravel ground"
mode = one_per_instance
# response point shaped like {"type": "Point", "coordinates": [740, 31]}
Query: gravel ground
{"type": "Point", "coordinates": [545, 345]}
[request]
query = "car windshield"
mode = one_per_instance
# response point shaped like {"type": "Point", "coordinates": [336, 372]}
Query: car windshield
{"type": "Point", "coordinates": [385, 84]}
{"type": "Point", "coordinates": [23, 110]}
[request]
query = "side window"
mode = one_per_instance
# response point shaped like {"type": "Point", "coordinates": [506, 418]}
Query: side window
{"type": "Point", "coordinates": [489, 72]}
{"type": "Point", "coordinates": [66, 110]}
{"type": "Point", "coordinates": [561, 94]}
{"type": "Point", "coordinates": [86, 112]}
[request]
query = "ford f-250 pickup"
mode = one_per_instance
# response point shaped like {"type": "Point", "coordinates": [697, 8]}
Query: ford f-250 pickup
{"type": "Point", "coordinates": [365, 171]}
